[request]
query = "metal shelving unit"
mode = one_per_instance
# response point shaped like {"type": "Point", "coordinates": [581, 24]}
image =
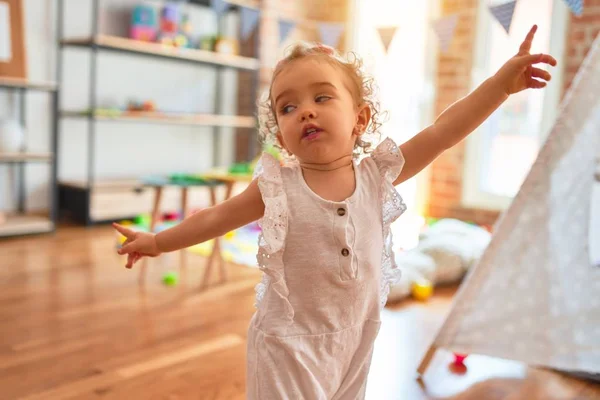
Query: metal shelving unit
{"type": "Point", "coordinates": [22, 223]}
{"type": "Point", "coordinates": [76, 199]}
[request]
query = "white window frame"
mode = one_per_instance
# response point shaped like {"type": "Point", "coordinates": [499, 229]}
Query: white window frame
{"type": "Point", "coordinates": [427, 102]}
{"type": "Point", "coordinates": [472, 195]}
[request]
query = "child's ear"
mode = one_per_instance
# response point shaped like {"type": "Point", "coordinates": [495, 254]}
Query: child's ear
{"type": "Point", "coordinates": [282, 143]}
{"type": "Point", "coordinates": [363, 117]}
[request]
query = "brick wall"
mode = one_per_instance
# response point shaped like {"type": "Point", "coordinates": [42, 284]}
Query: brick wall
{"type": "Point", "coordinates": [581, 34]}
{"type": "Point", "coordinates": [302, 11]}
{"type": "Point", "coordinates": [453, 80]}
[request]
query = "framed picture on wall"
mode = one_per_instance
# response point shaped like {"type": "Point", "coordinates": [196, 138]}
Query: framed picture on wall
{"type": "Point", "coordinates": [12, 40]}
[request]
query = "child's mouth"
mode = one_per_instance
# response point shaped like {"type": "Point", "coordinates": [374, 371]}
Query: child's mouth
{"type": "Point", "coordinates": [311, 133]}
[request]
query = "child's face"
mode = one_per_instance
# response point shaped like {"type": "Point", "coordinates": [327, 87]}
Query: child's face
{"type": "Point", "coordinates": [316, 112]}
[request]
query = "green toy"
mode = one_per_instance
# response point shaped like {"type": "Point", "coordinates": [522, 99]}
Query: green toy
{"type": "Point", "coordinates": [170, 279]}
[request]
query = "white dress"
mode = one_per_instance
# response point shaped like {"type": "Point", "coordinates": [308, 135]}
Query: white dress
{"type": "Point", "coordinates": [327, 271]}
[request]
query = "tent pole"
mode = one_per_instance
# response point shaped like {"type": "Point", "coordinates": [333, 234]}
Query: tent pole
{"type": "Point", "coordinates": [426, 359]}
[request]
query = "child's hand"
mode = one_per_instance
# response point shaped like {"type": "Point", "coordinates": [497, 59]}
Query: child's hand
{"type": "Point", "coordinates": [518, 73]}
{"type": "Point", "coordinates": [137, 245]}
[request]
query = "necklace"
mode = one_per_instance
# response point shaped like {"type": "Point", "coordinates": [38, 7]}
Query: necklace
{"type": "Point", "coordinates": [305, 165]}
{"type": "Point", "coordinates": [324, 170]}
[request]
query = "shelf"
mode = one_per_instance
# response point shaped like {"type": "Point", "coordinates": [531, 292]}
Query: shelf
{"type": "Point", "coordinates": [16, 83]}
{"type": "Point", "coordinates": [116, 43]}
{"type": "Point", "coordinates": [233, 121]}
{"type": "Point", "coordinates": [25, 224]}
{"type": "Point", "coordinates": [6, 158]}
{"type": "Point", "coordinates": [103, 183]}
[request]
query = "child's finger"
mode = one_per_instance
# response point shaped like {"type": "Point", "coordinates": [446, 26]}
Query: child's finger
{"type": "Point", "coordinates": [125, 231]}
{"type": "Point", "coordinates": [526, 45]}
{"type": "Point", "coordinates": [130, 260]}
{"type": "Point", "coordinates": [540, 73]}
{"type": "Point", "coordinates": [535, 84]}
{"type": "Point", "coordinates": [536, 59]}
{"type": "Point", "coordinates": [129, 248]}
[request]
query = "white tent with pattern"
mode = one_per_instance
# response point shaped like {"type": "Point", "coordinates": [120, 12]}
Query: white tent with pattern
{"type": "Point", "coordinates": [534, 296]}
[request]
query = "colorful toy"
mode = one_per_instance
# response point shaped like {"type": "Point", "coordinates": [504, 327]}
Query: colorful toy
{"type": "Point", "coordinates": [207, 43]}
{"type": "Point", "coordinates": [227, 46]}
{"type": "Point", "coordinates": [170, 279]}
{"type": "Point", "coordinates": [240, 168]}
{"type": "Point", "coordinates": [143, 220]}
{"type": "Point", "coordinates": [175, 30]}
{"type": "Point", "coordinates": [147, 106]}
{"type": "Point", "coordinates": [459, 359]}
{"type": "Point", "coordinates": [143, 23]}
{"type": "Point", "coordinates": [422, 289]}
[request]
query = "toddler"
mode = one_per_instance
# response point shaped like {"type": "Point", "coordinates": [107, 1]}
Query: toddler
{"type": "Point", "coordinates": [325, 247]}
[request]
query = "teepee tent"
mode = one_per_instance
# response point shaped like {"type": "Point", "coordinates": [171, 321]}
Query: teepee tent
{"type": "Point", "coordinates": [534, 296]}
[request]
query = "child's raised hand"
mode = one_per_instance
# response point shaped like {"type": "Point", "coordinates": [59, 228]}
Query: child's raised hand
{"type": "Point", "coordinates": [137, 245]}
{"type": "Point", "coordinates": [519, 74]}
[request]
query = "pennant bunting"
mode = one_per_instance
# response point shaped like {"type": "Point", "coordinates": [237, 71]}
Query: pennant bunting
{"type": "Point", "coordinates": [445, 28]}
{"type": "Point", "coordinates": [220, 6]}
{"type": "Point", "coordinates": [576, 6]}
{"type": "Point", "coordinates": [504, 13]}
{"type": "Point", "coordinates": [387, 34]}
{"type": "Point", "coordinates": [248, 21]}
{"type": "Point", "coordinates": [330, 33]}
{"type": "Point", "coordinates": [285, 28]}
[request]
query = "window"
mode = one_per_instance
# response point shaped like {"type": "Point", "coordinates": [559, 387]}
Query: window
{"type": "Point", "coordinates": [501, 152]}
{"type": "Point", "coordinates": [405, 78]}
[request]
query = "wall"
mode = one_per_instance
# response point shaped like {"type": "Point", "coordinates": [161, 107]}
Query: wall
{"type": "Point", "coordinates": [453, 82]}
{"type": "Point", "coordinates": [122, 149]}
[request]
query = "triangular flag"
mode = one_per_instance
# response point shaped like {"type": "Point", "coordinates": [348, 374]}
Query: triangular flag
{"type": "Point", "coordinates": [576, 6]}
{"type": "Point", "coordinates": [220, 6]}
{"type": "Point", "coordinates": [504, 13]}
{"type": "Point", "coordinates": [330, 32]}
{"type": "Point", "coordinates": [387, 34]}
{"type": "Point", "coordinates": [284, 29]}
{"type": "Point", "coordinates": [249, 19]}
{"type": "Point", "coordinates": [445, 28]}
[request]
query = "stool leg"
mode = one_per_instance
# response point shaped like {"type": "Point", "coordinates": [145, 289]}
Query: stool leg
{"type": "Point", "coordinates": [184, 214]}
{"type": "Point", "coordinates": [156, 207]}
{"type": "Point", "coordinates": [216, 248]}
{"type": "Point", "coordinates": [223, 269]}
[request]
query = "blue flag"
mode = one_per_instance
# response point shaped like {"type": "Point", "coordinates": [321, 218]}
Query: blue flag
{"type": "Point", "coordinates": [504, 13]}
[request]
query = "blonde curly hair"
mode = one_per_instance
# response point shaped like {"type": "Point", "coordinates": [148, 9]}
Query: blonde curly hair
{"type": "Point", "coordinates": [363, 92]}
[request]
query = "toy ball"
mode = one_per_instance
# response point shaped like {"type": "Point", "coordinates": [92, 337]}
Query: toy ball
{"type": "Point", "coordinates": [143, 219]}
{"type": "Point", "coordinates": [180, 41]}
{"type": "Point", "coordinates": [230, 235]}
{"type": "Point", "coordinates": [170, 279]}
{"type": "Point", "coordinates": [422, 289]}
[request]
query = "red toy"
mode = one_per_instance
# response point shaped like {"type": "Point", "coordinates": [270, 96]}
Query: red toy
{"type": "Point", "coordinates": [459, 359]}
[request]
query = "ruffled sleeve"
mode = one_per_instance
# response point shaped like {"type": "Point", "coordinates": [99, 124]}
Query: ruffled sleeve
{"type": "Point", "coordinates": [273, 224]}
{"type": "Point", "coordinates": [389, 161]}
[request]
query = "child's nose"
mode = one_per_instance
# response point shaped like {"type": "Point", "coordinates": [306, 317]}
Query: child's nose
{"type": "Point", "coordinates": [307, 114]}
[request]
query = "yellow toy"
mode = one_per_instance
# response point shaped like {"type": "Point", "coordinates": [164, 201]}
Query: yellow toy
{"type": "Point", "coordinates": [422, 289]}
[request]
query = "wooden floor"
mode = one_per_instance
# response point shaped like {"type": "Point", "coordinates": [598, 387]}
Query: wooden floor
{"type": "Point", "coordinates": [77, 325]}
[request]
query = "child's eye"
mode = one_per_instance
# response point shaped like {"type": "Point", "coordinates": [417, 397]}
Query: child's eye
{"type": "Point", "coordinates": [287, 109]}
{"type": "Point", "coordinates": [322, 98]}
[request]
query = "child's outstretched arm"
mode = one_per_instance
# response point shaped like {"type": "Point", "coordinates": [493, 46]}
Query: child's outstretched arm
{"type": "Point", "coordinates": [464, 116]}
{"type": "Point", "coordinates": [204, 225]}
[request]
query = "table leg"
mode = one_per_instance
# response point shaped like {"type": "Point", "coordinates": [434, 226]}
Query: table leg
{"type": "Point", "coordinates": [223, 268]}
{"type": "Point", "coordinates": [184, 214]}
